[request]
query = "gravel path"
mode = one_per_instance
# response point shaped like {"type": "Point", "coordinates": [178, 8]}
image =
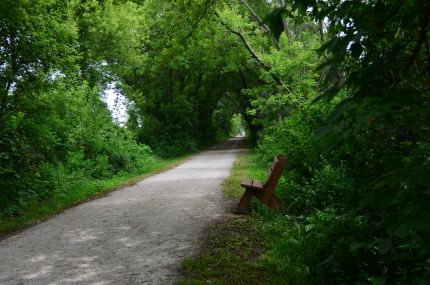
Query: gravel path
{"type": "Point", "coordinates": [136, 235]}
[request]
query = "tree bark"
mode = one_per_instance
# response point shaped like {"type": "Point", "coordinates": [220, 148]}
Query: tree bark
{"type": "Point", "coordinates": [321, 30]}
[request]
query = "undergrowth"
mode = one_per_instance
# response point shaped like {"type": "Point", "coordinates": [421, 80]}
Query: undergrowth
{"type": "Point", "coordinates": [74, 192]}
{"type": "Point", "coordinates": [314, 247]}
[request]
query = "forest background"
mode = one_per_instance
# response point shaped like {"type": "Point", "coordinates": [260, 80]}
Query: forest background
{"type": "Point", "coordinates": [340, 87]}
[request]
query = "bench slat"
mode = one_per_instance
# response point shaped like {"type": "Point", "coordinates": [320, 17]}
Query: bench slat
{"type": "Point", "coordinates": [252, 184]}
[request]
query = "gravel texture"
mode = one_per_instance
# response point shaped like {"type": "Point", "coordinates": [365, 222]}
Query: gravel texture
{"type": "Point", "coordinates": [136, 235]}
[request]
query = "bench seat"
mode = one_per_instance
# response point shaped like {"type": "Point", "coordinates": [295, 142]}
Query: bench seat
{"type": "Point", "coordinates": [252, 184]}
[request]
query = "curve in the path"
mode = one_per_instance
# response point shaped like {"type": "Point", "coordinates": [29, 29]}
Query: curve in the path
{"type": "Point", "coordinates": [137, 235]}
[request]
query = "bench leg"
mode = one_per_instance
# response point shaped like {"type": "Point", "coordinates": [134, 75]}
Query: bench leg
{"type": "Point", "coordinates": [244, 202]}
{"type": "Point", "coordinates": [270, 200]}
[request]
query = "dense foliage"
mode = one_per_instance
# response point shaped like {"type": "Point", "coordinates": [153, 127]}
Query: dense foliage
{"type": "Point", "coordinates": [57, 61]}
{"type": "Point", "coordinates": [55, 131]}
{"type": "Point", "coordinates": [340, 87]}
{"type": "Point", "coordinates": [360, 186]}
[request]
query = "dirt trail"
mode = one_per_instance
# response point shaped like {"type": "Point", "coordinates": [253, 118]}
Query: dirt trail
{"type": "Point", "coordinates": [137, 235]}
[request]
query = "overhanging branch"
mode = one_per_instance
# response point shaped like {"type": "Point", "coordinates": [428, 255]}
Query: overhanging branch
{"type": "Point", "coordinates": [262, 25]}
{"type": "Point", "coordinates": [255, 56]}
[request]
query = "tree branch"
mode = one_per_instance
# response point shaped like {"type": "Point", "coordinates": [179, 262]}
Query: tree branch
{"type": "Point", "coordinates": [262, 26]}
{"type": "Point", "coordinates": [255, 56]}
{"type": "Point", "coordinates": [208, 5]}
{"type": "Point", "coordinates": [428, 56]}
{"type": "Point", "coordinates": [421, 40]}
{"type": "Point", "coordinates": [260, 61]}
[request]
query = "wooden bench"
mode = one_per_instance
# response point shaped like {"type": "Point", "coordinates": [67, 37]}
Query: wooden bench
{"type": "Point", "coordinates": [264, 192]}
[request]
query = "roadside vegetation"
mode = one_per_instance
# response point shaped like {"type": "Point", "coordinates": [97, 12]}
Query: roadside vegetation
{"type": "Point", "coordinates": [73, 190]}
{"type": "Point", "coordinates": [261, 248]}
{"type": "Point", "coordinates": [339, 87]}
{"type": "Point", "coordinates": [59, 144]}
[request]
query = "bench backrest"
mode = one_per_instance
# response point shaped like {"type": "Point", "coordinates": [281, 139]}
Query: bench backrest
{"type": "Point", "coordinates": [275, 172]}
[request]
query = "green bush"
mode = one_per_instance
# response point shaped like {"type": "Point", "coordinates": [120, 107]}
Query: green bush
{"type": "Point", "coordinates": [355, 229]}
{"type": "Point", "coordinates": [65, 135]}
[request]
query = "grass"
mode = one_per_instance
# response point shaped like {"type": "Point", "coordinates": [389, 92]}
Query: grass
{"type": "Point", "coordinates": [230, 255]}
{"type": "Point", "coordinates": [261, 248]}
{"type": "Point", "coordinates": [246, 165]}
{"type": "Point", "coordinates": [79, 192]}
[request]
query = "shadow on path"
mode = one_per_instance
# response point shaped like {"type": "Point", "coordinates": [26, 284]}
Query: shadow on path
{"type": "Point", "coordinates": [136, 235]}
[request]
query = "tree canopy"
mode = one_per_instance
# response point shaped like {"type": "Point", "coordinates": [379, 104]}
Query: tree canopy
{"type": "Point", "coordinates": [340, 87]}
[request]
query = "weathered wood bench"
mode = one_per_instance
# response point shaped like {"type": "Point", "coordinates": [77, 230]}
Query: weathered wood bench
{"type": "Point", "coordinates": [264, 192]}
